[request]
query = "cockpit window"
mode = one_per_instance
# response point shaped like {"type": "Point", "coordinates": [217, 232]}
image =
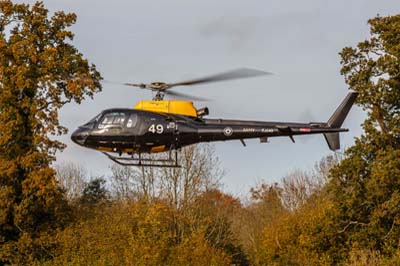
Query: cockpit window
{"type": "Point", "coordinates": [112, 119]}
{"type": "Point", "coordinates": [119, 119]}
{"type": "Point", "coordinates": [95, 119]}
{"type": "Point", "coordinates": [92, 122]}
{"type": "Point", "coordinates": [132, 121]}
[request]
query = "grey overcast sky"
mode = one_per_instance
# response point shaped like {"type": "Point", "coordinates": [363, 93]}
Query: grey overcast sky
{"type": "Point", "coordinates": [299, 41]}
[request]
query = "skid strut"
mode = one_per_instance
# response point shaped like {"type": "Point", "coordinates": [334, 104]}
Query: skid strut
{"type": "Point", "coordinates": [138, 160]}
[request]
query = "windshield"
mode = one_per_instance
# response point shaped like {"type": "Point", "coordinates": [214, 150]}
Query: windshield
{"type": "Point", "coordinates": [92, 122]}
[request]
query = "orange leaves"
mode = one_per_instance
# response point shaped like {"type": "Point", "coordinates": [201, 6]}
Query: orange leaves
{"type": "Point", "coordinates": [6, 7]}
{"type": "Point", "coordinates": [40, 72]}
{"type": "Point", "coordinates": [38, 65]}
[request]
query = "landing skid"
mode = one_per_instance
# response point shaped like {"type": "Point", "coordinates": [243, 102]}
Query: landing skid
{"type": "Point", "coordinates": [138, 160]}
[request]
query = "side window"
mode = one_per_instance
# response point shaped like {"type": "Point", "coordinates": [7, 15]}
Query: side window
{"type": "Point", "coordinates": [112, 119]}
{"type": "Point", "coordinates": [119, 119]}
{"type": "Point", "coordinates": [132, 121]}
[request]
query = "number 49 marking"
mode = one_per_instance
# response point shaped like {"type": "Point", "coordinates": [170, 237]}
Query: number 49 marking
{"type": "Point", "coordinates": [159, 129]}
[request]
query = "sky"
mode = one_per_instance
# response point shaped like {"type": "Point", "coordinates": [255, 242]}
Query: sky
{"type": "Point", "coordinates": [299, 41]}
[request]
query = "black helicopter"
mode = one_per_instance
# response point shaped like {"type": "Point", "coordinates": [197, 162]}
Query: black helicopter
{"type": "Point", "coordinates": [168, 125]}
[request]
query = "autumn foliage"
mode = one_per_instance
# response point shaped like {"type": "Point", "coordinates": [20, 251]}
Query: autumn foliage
{"type": "Point", "coordinates": [344, 211]}
{"type": "Point", "coordinates": [40, 71]}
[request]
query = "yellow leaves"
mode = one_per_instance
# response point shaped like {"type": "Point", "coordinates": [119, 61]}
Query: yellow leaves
{"type": "Point", "coordinates": [38, 72]}
{"type": "Point", "coordinates": [62, 35]}
{"type": "Point", "coordinates": [364, 257]}
{"type": "Point", "coordinates": [136, 234]}
{"type": "Point", "coordinates": [296, 237]}
{"type": "Point", "coordinates": [62, 19]}
{"type": "Point", "coordinates": [195, 250]}
{"type": "Point", "coordinates": [73, 87]}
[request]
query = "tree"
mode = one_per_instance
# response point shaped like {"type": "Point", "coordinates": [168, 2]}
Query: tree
{"type": "Point", "coordinates": [94, 192]}
{"type": "Point", "coordinates": [217, 213]}
{"type": "Point", "coordinates": [373, 70]}
{"type": "Point", "coordinates": [200, 172]}
{"type": "Point", "coordinates": [299, 186]}
{"type": "Point", "coordinates": [288, 223]}
{"type": "Point", "coordinates": [366, 185]}
{"type": "Point", "coordinates": [72, 179]}
{"type": "Point", "coordinates": [137, 233]}
{"type": "Point", "coordinates": [123, 181]}
{"type": "Point", "coordinates": [40, 71]}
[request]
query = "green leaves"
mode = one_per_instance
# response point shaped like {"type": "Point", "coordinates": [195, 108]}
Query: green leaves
{"type": "Point", "coordinates": [373, 70]}
{"type": "Point", "coordinates": [365, 186]}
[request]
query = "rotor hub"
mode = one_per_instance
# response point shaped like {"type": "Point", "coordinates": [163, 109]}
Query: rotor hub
{"type": "Point", "coordinates": [158, 86]}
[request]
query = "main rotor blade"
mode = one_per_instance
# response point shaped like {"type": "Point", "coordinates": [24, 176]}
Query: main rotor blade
{"type": "Point", "coordinates": [230, 75]}
{"type": "Point", "coordinates": [139, 85]}
{"type": "Point", "coordinates": [186, 96]}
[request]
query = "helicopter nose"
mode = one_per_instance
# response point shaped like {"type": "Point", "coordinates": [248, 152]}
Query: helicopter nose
{"type": "Point", "coordinates": [79, 136]}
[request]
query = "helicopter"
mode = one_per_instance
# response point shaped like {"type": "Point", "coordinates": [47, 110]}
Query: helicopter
{"type": "Point", "coordinates": [124, 135]}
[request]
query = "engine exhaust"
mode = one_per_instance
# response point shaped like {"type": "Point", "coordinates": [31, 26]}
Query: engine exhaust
{"type": "Point", "coordinates": [202, 112]}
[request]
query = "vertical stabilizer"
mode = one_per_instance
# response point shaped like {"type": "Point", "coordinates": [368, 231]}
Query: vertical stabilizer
{"type": "Point", "coordinates": [336, 120]}
{"type": "Point", "coordinates": [341, 112]}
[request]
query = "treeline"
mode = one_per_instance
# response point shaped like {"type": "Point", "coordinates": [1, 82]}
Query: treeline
{"type": "Point", "coordinates": [150, 216]}
{"type": "Point", "coordinates": [147, 216]}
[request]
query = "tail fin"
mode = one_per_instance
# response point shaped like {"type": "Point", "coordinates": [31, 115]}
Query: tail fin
{"type": "Point", "coordinates": [341, 112]}
{"type": "Point", "coordinates": [333, 140]}
{"type": "Point", "coordinates": [336, 120]}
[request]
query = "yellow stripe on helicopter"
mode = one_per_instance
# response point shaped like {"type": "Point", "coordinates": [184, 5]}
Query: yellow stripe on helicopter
{"type": "Point", "coordinates": [168, 106]}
